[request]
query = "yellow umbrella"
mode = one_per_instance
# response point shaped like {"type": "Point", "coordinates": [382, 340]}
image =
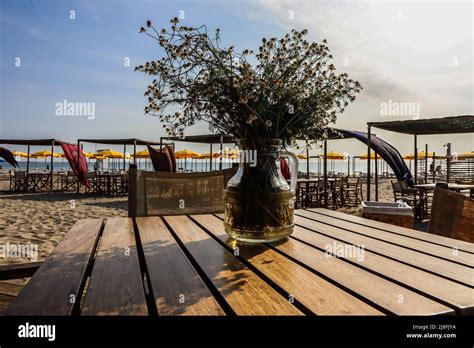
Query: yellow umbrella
{"type": "Point", "coordinates": [19, 154]}
{"type": "Point", "coordinates": [302, 156]}
{"type": "Point", "coordinates": [421, 155]}
{"type": "Point", "coordinates": [372, 156]}
{"type": "Point", "coordinates": [186, 154]}
{"type": "Point", "coordinates": [109, 154]}
{"type": "Point", "coordinates": [96, 156]}
{"type": "Point", "coordinates": [208, 155]}
{"type": "Point", "coordinates": [143, 154]}
{"type": "Point", "coordinates": [334, 155]}
{"type": "Point", "coordinates": [88, 154]}
{"type": "Point", "coordinates": [466, 155]}
{"type": "Point", "coordinates": [44, 154]}
{"type": "Point", "coordinates": [230, 153]}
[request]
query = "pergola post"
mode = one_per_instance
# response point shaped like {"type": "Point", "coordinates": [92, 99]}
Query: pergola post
{"type": "Point", "coordinates": [78, 157]}
{"type": "Point", "coordinates": [376, 177]}
{"type": "Point", "coordinates": [434, 167]}
{"type": "Point", "coordinates": [348, 166]}
{"type": "Point", "coordinates": [135, 151]}
{"type": "Point", "coordinates": [210, 157]}
{"type": "Point", "coordinates": [368, 161]}
{"type": "Point", "coordinates": [52, 157]}
{"type": "Point", "coordinates": [307, 160]}
{"type": "Point", "coordinates": [220, 158]}
{"type": "Point", "coordinates": [426, 163]}
{"type": "Point", "coordinates": [325, 164]}
{"type": "Point", "coordinates": [124, 151]}
{"type": "Point", "coordinates": [27, 168]}
{"type": "Point", "coordinates": [416, 158]}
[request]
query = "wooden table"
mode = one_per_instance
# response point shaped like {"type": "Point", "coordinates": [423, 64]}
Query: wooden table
{"type": "Point", "coordinates": [187, 265]}
{"type": "Point", "coordinates": [451, 186]}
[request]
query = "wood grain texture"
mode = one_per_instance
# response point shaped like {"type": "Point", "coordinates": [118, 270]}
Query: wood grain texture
{"type": "Point", "coordinates": [456, 295]}
{"type": "Point", "coordinates": [433, 264]}
{"type": "Point", "coordinates": [59, 279]}
{"type": "Point", "coordinates": [116, 286]}
{"type": "Point", "coordinates": [242, 289]}
{"type": "Point", "coordinates": [176, 285]}
{"type": "Point", "coordinates": [406, 242]}
{"type": "Point", "coordinates": [452, 215]}
{"type": "Point", "coordinates": [19, 270]}
{"type": "Point", "coordinates": [315, 293]}
{"type": "Point", "coordinates": [448, 242]}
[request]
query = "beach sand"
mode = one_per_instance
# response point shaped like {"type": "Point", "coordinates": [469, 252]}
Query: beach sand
{"type": "Point", "coordinates": [43, 219]}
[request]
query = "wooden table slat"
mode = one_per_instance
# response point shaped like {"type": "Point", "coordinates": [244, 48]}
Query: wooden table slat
{"type": "Point", "coordinates": [433, 238]}
{"type": "Point", "coordinates": [177, 287]}
{"type": "Point", "coordinates": [55, 285]}
{"type": "Point", "coordinates": [456, 295]}
{"type": "Point", "coordinates": [317, 294]}
{"type": "Point", "coordinates": [244, 291]}
{"type": "Point", "coordinates": [406, 242]}
{"type": "Point", "coordinates": [116, 286]}
{"type": "Point", "coordinates": [433, 264]}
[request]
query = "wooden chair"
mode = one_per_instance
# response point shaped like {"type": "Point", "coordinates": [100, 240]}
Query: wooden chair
{"type": "Point", "coordinates": [413, 197]}
{"type": "Point", "coordinates": [353, 190]}
{"type": "Point", "coordinates": [452, 215]}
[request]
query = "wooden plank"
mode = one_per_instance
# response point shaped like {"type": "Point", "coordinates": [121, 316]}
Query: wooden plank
{"type": "Point", "coordinates": [242, 289]}
{"type": "Point", "coordinates": [448, 242]}
{"type": "Point", "coordinates": [19, 270]}
{"type": "Point", "coordinates": [177, 287]}
{"type": "Point", "coordinates": [10, 289]}
{"type": "Point", "coordinates": [116, 286]}
{"type": "Point", "coordinates": [450, 254]}
{"type": "Point", "coordinates": [456, 295]}
{"type": "Point", "coordinates": [317, 294]}
{"type": "Point", "coordinates": [52, 289]}
{"type": "Point", "coordinates": [395, 298]}
{"type": "Point", "coordinates": [433, 264]}
{"type": "Point", "coordinates": [5, 301]}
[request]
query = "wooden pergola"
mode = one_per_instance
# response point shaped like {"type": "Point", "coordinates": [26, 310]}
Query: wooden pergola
{"type": "Point", "coordinates": [428, 126]}
{"type": "Point", "coordinates": [35, 142]}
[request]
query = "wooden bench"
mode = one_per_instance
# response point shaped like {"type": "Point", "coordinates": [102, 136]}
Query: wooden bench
{"type": "Point", "coordinates": [333, 264]}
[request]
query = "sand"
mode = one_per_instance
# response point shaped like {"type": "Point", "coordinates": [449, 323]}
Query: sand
{"type": "Point", "coordinates": [40, 220]}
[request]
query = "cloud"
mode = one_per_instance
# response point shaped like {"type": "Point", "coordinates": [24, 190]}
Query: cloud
{"type": "Point", "coordinates": [34, 32]}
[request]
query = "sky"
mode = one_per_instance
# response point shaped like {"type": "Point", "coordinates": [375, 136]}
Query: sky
{"type": "Point", "coordinates": [414, 54]}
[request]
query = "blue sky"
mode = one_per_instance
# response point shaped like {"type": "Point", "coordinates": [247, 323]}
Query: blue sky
{"type": "Point", "coordinates": [397, 50]}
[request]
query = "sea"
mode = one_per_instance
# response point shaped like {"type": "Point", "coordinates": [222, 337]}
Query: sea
{"type": "Point", "coordinates": [315, 166]}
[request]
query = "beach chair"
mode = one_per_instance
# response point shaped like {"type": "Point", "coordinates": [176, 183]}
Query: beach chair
{"type": "Point", "coordinates": [452, 215]}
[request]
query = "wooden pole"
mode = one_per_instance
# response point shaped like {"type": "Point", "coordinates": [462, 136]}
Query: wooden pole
{"type": "Point", "coordinates": [376, 178]}
{"type": "Point", "coordinates": [51, 174]}
{"type": "Point", "coordinates": [416, 158]}
{"type": "Point", "coordinates": [426, 163]}
{"type": "Point", "coordinates": [368, 161]}
{"type": "Point", "coordinates": [325, 165]}
{"type": "Point", "coordinates": [210, 159]}
{"type": "Point", "coordinates": [135, 151]}
{"type": "Point", "coordinates": [434, 167]}
{"type": "Point", "coordinates": [78, 149]}
{"type": "Point", "coordinates": [220, 160]}
{"type": "Point", "coordinates": [124, 151]}
{"type": "Point", "coordinates": [307, 160]}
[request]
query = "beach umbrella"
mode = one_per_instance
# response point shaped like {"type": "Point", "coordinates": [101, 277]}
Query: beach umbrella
{"type": "Point", "coordinates": [466, 155]}
{"type": "Point", "coordinates": [109, 154]}
{"type": "Point", "coordinates": [372, 156]}
{"type": "Point", "coordinates": [44, 154]}
{"type": "Point", "coordinates": [302, 156]}
{"type": "Point", "coordinates": [230, 153]}
{"type": "Point", "coordinates": [19, 154]}
{"type": "Point", "coordinates": [143, 154]}
{"type": "Point", "coordinates": [422, 155]}
{"type": "Point", "coordinates": [186, 154]}
{"type": "Point", "coordinates": [333, 155]}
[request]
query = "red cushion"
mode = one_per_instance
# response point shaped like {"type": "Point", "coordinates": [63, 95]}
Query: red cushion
{"type": "Point", "coordinates": [170, 151]}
